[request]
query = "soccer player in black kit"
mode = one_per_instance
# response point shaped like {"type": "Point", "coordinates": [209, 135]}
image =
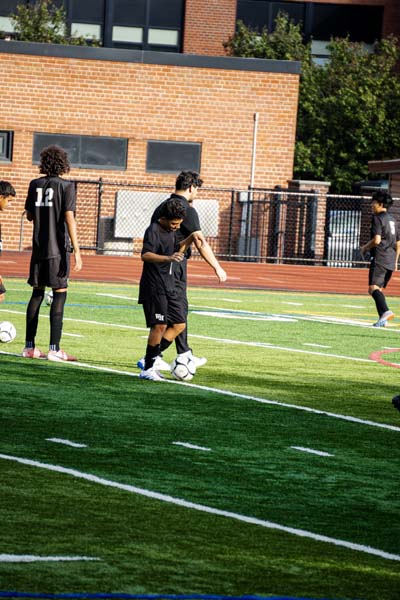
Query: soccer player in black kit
{"type": "Point", "coordinates": [164, 312]}
{"type": "Point", "coordinates": [50, 204]}
{"type": "Point", "coordinates": [186, 186]}
{"type": "Point", "coordinates": [384, 247]}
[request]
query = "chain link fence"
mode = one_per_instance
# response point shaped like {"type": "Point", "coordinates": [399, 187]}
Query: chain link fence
{"type": "Point", "coordinates": [275, 225]}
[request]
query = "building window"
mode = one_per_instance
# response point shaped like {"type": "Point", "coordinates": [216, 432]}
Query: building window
{"type": "Point", "coordinates": [320, 21]}
{"type": "Point", "coordinates": [6, 146]}
{"type": "Point", "coordinates": [172, 157]}
{"type": "Point", "coordinates": [146, 24]}
{"type": "Point", "coordinates": [85, 18]}
{"type": "Point", "coordinates": [90, 31]}
{"type": "Point", "coordinates": [85, 151]}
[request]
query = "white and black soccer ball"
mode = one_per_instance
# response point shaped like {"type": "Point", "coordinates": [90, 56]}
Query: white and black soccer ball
{"type": "Point", "coordinates": [8, 333]}
{"type": "Point", "coordinates": [183, 368]}
{"type": "Point", "coordinates": [48, 297]}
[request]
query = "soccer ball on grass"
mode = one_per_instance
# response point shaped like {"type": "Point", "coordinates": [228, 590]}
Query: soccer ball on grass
{"type": "Point", "coordinates": [8, 333]}
{"type": "Point", "coordinates": [48, 297]}
{"type": "Point", "coordinates": [183, 368]}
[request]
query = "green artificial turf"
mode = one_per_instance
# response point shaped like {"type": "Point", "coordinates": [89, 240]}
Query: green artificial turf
{"type": "Point", "coordinates": [279, 377]}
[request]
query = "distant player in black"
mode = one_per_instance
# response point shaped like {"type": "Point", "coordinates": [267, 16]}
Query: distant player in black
{"type": "Point", "coordinates": [161, 253]}
{"type": "Point", "coordinates": [7, 193]}
{"type": "Point", "coordinates": [384, 246]}
{"type": "Point", "coordinates": [186, 186]}
{"type": "Point", "coordinates": [50, 204]}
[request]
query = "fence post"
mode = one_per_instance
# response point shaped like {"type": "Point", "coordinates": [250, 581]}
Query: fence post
{"type": "Point", "coordinates": [230, 231]}
{"type": "Point", "coordinates": [98, 232]}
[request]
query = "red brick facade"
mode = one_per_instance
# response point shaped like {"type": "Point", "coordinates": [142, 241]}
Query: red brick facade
{"type": "Point", "coordinates": [141, 102]}
{"type": "Point", "coordinates": [208, 25]}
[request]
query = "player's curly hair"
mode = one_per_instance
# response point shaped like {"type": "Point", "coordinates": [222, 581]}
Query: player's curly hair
{"type": "Point", "coordinates": [172, 209]}
{"type": "Point", "coordinates": [382, 197]}
{"type": "Point", "coordinates": [186, 179]}
{"type": "Point", "coordinates": [54, 161]}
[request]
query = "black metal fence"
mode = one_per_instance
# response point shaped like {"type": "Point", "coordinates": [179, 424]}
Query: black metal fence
{"type": "Point", "coordinates": [276, 225]}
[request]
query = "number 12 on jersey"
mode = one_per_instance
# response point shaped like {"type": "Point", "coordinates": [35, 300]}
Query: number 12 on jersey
{"type": "Point", "coordinates": [47, 199]}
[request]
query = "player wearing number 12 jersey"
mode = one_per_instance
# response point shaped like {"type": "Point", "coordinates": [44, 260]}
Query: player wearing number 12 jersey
{"type": "Point", "coordinates": [50, 204]}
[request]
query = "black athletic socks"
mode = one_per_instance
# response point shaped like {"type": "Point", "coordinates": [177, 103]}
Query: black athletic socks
{"type": "Point", "coordinates": [164, 344]}
{"type": "Point", "coordinates": [56, 319]}
{"type": "Point", "coordinates": [380, 302]}
{"type": "Point", "coordinates": [151, 354]}
{"type": "Point", "coordinates": [32, 316]}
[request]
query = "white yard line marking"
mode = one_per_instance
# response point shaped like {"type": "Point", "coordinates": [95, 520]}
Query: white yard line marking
{"type": "Point", "coordinates": [77, 335]}
{"type": "Point", "coordinates": [66, 442]}
{"type": "Point", "coordinates": [117, 296]}
{"type": "Point", "coordinates": [311, 451]}
{"type": "Point", "coordinates": [283, 348]}
{"type": "Point", "coordinates": [242, 396]}
{"type": "Point", "coordinates": [316, 345]}
{"type": "Point", "coordinates": [192, 446]}
{"type": "Point", "coordinates": [25, 558]}
{"type": "Point", "coordinates": [203, 508]}
{"type": "Point", "coordinates": [223, 315]}
{"type": "Point", "coordinates": [294, 303]}
{"type": "Point", "coordinates": [352, 306]}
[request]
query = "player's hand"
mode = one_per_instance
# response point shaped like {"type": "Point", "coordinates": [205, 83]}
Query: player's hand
{"type": "Point", "coordinates": [221, 274]}
{"type": "Point", "coordinates": [177, 257]}
{"type": "Point", "coordinates": [78, 262]}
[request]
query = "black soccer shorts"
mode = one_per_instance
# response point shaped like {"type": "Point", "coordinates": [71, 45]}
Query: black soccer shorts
{"type": "Point", "coordinates": [50, 272]}
{"type": "Point", "coordinates": [162, 309]}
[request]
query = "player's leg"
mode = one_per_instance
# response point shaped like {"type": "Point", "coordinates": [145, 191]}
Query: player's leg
{"type": "Point", "coordinates": [155, 309]}
{"type": "Point", "coordinates": [181, 341]}
{"type": "Point", "coordinates": [379, 277]}
{"type": "Point", "coordinates": [58, 281]}
{"type": "Point", "coordinates": [37, 272]}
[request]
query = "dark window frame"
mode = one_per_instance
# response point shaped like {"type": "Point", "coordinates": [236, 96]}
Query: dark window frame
{"type": "Point", "coordinates": [8, 141]}
{"type": "Point", "coordinates": [195, 166]}
{"type": "Point", "coordinates": [79, 150]}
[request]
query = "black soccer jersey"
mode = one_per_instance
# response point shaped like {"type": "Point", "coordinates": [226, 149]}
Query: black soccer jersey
{"type": "Point", "coordinates": [190, 223]}
{"type": "Point", "coordinates": [384, 224]}
{"type": "Point", "coordinates": [157, 277]}
{"type": "Point", "coordinates": [48, 199]}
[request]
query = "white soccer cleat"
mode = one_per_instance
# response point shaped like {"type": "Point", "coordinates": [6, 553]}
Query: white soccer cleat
{"type": "Point", "coordinates": [33, 353]}
{"type": "Point", "coordinates": [151, 374]}
{"type": "Point", "coordinates": [159, 364]}
{"type": "Point", "coordinates": [199, 361]}
{"type": "Point", "coordinates": [60, 356]}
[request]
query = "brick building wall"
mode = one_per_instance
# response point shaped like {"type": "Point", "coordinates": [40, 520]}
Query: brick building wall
{"type": "Point", "coordinates": [105, 92]}
{"type": "Point", "coordinates": [208, 25]}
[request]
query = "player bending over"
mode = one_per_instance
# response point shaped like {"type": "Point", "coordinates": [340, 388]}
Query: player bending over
{"type": "Point", "coordinates": [7, 193]}
{"type": "Point", "coordinates": [385, 251]}
{"type": "Point", "coordinates": [163, 308]}
{"type": "Point", "coordinates": [51, 206]}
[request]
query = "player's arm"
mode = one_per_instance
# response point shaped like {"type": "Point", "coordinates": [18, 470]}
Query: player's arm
{"type": "Point", "coordinates": [161, 258]}
{"type": "Point", "coordinates": [208, 255]}
{"type": "Point", "coordinates": [375, 241]}
{"type": "Point", "coordinates": [29, 215]}
{"type": "Point", "coordinates": [71, 227]}
{"type": "Point", "coordinates": [397, 255]}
